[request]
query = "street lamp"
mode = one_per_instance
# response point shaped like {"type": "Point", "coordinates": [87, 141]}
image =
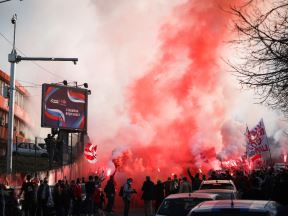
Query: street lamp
{"type": "Point", "coordinates": [14, 58]}
{"type": "Point", "coordinates": [6, 1]}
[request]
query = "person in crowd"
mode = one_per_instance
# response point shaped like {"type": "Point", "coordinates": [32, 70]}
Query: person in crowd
{"type": "Point", "coordinates": [29, 202]}
{"type": "Point", "coordinates": [159, 194]}
{"type": "Point", "coordinates": [127, 195]}
{"type": "Point", "coordinates": [174, 187]}
{"type": "Point", "coordinates": [185, 186]}
{"type": "Point", "coordinates": [57, 196]}
{"type": "Point", "coordinates": [99, 200]}
{"type": "Point", "coordinates": [268, 185]}
{"type": "Point", "coordinates": [148, 196]}
{"type": "Point", "coordinates": [110, 193]}
{"type": "Point", "coordinates": [76, 192]}
{"type": "Point", "coordinates": [2, 200]}
{"type": "Point", "coordinates": [254, 192]}
{"type": "Point", "coordinates": [241, 182]}
{"type": "Point", "coordinates": [196, 181]}
{"type": "Point", "coordinates": [90, 190]}
{"type": "Point", "coordinates": [66, 197]}
{"type": "Point", "coordinates": [11, 204]}
{"type": "Point", "coordinates": [83, 183]}
{"type": "Point", "coordinates": [228, 175]}
{"type": "Point", "coordinates": [167, 186]}
{"type": "Point", "coordinates": [43, 194]}
{"type": "Point", "coordinates": [213, 176]}
{"type": "Point", "coordinates": [203, 179]}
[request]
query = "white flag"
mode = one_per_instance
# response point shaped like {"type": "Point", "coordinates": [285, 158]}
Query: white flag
{"type": "Point", "coordinates": [257, 140]}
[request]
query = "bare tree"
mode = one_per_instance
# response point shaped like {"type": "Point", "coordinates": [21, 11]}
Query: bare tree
{"type": "Point", "coordinates": [263, 32]}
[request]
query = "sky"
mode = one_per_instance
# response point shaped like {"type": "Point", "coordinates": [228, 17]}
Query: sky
{"type": "Point", "coordinates": [155, 70]}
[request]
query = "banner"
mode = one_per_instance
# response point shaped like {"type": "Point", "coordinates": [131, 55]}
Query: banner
{"type": "Point", "coordinates": [64, 107]}
{"type": "Point", "coordinates": [257, 141]}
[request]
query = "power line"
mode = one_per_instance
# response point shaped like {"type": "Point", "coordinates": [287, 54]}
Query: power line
{"type": "Point", "coordinates": [34, 86]}
{"type": "Point", "coordinates": [35, 63]}
{"type": "Point", "coordinates": [29, 82]}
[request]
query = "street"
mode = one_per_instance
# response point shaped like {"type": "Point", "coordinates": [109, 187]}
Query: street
{"type": "Point", "coordinates": [133, 212]}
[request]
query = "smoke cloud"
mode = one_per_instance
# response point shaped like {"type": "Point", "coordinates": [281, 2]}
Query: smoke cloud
{"type": "Point", "coordinates": [162, 99]}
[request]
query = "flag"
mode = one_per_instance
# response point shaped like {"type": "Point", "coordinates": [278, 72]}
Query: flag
{"type": "Point", "coordinates": [248, 150]}
{"type": "Point", "coordinates": [90, 151]}
{"type": "Point", "coordinates": [257, 141]}
{"type": "Point", "coordinates": [256, 157]}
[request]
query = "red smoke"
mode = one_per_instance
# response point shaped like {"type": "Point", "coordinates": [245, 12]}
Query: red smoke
{"type": "Point", "coordinates": [180, 101]}
{"type": "Point", "coordinates": [178, 107]}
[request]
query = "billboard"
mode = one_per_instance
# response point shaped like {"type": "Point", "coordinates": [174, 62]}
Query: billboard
{"type": "Point", "coordinates": [64, 107]}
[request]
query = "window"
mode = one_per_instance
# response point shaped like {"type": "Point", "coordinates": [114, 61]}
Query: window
{"type": "Point", "coordinates": [179, 207]}
{"type": "Point", "coordinates": [217, 186]}
{"type": "Point", "coordinates": [1, 87]}
{"type": "Point", "coordinates": [231, 213]}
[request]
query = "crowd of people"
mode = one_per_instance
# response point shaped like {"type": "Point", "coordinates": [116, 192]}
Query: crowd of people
{"type": "Point", "coordinates": [64, 198]}
{"type": "Point", "coordinates": [264, 184]}
{"type": "Point", "coordinates": [88, 197]}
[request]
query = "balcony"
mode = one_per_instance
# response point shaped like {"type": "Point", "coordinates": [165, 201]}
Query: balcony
{"type": "Point", "coordinates": [19, 112]}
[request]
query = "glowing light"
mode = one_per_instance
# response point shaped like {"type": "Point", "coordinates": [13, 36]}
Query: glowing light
{"type": "Point", "coordinates": [172, 174]}
{"type": "Point", "coordinates": [158, 169]}
{"type": "Point", "coordinates": [108, 172]}
{"type": "Point", "coordinates": [231, 164]}
{"type": "Point", "coordinates": [200, 171]}
{"type": "Point", "coordinates": [285, 158]}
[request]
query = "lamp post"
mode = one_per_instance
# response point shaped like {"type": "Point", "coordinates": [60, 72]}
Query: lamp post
{"type": "Point", "coordinates": [3, 1]}
{"type": "Point", "coordinates": [14, 58]}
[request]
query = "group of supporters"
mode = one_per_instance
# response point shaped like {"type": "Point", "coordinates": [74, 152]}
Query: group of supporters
{"type": "Point", "coordinates": [153, 194]}
{"type": "Point", "coordinates": [264, 184]}
{"type": "Point", "coordinates": [75, 198]}
{"type": "Point", "coordinates": [87, 197]}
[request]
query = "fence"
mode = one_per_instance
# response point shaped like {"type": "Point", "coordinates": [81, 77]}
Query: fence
{"type": "Point", "coordinates": [34, 156]}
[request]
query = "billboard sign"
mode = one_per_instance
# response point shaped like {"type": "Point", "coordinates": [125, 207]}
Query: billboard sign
{"type": "Point", "coordinates": [64, 107]}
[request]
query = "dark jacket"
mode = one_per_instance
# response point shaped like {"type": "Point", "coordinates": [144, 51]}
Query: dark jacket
{"type": "Point", "coordinates": [110, 187]}
{"type": "Point", "coordinates": [159, 191]}
{"type": "Point", "coordinates": [148, 190]}
{"type": "Point", "coordinates": [40, 192]}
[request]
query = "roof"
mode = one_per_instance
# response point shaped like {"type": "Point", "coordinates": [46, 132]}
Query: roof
{"type": "Point", "coordinates": [248, 205]}
{"type": "Point", "coordinates": [215, 191]}
{"type": "Point", "coordinates": [217, 182]}
{"type": "Point", "coordinates": [192, 195]}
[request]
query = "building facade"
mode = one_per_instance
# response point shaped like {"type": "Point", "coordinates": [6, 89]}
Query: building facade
{"type": "Point", "coordinates": [22, 121]}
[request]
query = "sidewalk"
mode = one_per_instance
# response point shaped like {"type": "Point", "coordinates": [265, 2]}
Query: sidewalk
{"type": "Point", "coordinates": [133, 212]}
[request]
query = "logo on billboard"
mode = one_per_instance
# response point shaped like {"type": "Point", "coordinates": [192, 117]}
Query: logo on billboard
{"type": "Point", "coordinates": [64, 107]}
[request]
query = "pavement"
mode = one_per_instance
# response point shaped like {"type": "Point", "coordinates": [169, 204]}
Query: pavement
{"type": "Point", "coordinates": [133, 212]}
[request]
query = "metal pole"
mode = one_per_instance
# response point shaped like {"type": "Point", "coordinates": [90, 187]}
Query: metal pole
{"type": "Point", "coordinates": [71, 148]}
{"type": "Point", "coordinates": [35, 159]}
{"type": "Point", "coordinates": [20, 58]}
{"type": "Point", "coordinates": [16, 163]}
{"type": "Point", "coordinates": [4, 1]}
{"type": "Point", "coordinates": [71, 161]}
{"type": "Point", "coordinates": [12, 59]}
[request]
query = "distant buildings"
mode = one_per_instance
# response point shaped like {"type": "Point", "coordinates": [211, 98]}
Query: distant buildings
{"type": "Point", "coordinates": [22, 121]}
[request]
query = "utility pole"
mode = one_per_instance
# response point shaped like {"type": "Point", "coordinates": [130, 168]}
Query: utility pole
{"type": "Point", "coordinates": [14, 58]}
